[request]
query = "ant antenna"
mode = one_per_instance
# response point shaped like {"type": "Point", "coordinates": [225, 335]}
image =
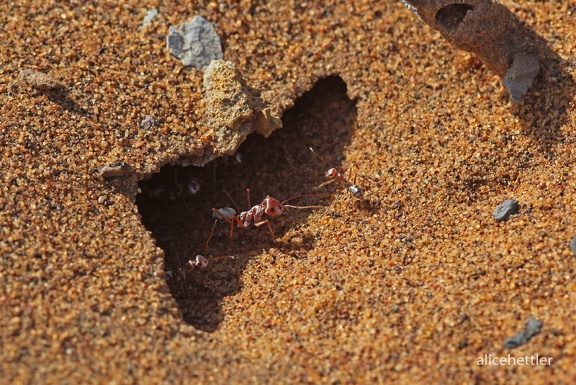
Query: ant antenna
{"type": "Point", "coordinates": [304, 196]}
{"type": "Point", "coordinates": [319, 157]}
{"type": "Point", "coordinates": [234, 203]}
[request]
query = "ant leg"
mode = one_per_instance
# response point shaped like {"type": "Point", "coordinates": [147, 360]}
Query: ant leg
{"type": "Point", "coordinates": [227, 219]}
{"type": "Point", "coordinates": [230, 220]}
{"type": "Point", "coordinates": [271, 232]}
{"type": "Point", "coordinates": [361, 176]}
{"type": "Point", "coordinates": [219, 258]}
{"type": "Point", "coordinates": [370, 181]}
{"type": "Point", "coordinates": [305, 207]}
{"type": "Point", "coordinates": [266, 221]}
{"type": "Point", "coordinates": [350, 173]}
{"type": "Point", "coordinates": [248, 198]}
{"type": "Point", "coordinates": [180, 273]}
{"type": "Point", "coordinates": [238, 222]}
{"type": "Point", "coordinates": [231, 229]}
{"type": "Point", "coordinates": [232, 200]}
{"type": "Point", "coordinates": [327, 182]}
{"type": "Point", "coordinates": [325, 195]}
{"type": "Point", "coordinates": [210, 237]}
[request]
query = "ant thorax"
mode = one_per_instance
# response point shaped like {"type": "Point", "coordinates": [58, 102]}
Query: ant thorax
{"type": "Point", "coordinates": [251, 216]}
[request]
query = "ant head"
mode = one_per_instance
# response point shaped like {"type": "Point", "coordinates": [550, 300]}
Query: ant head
{"type": "Point", "coordinates": [201, 261]}
{"type": "Point", "coordinates": [331, 173]}
{"type": "Point", "coordinates": [273, 207]}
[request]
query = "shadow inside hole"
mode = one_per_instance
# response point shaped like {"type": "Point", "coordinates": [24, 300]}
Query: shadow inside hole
{"type": "Point", "coordinates": [281, 166]}
{"type": "Point", "coordinates": [451, 16]}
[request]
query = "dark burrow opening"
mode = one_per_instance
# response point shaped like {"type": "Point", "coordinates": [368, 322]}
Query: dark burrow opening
{"type": "Point", "coordinates": [176, 204]}
{"type": "Point", "coordinates": [450, 16]}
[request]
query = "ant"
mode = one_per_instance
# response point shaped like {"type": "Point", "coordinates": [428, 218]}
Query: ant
{"type": "Point", "coordinates": [183, 271]}
{"type": "Point", "coordinates": [333, 175]}
{"type": "Point", "coordinates": [181, 274]}
{"type": "Point", "coordinates": [271, 207]}
{"type": "Point", "coordinates": [188, 184]}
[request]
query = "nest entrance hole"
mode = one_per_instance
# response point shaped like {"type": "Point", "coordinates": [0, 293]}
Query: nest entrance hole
{"type": "Point", "coordinates": [282, 166]}
{"type": "Point", "coordinates": [451, 16]}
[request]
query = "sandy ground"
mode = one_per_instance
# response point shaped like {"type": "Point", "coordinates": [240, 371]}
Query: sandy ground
{"type": "Point", "coordinates": [413, 283]}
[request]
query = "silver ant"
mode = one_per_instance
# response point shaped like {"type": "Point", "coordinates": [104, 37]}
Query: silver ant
{"type": "Point", "coordinates": [190, 186]}
{"type": "Point", "coordinates": [271, 207]}
{"type": "Point", "coordinates": [183, 271]}
{"type": "Point", "coordinates": [333, 175]}
{"type": "Point", "coordinates": [181, 274]}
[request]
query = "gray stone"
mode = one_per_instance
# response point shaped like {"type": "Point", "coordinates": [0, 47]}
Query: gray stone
{"type": "Point", "coordinates": [116, 169]}
{"type": "Point", "coordinates": [573, 246]}
{"type": "Point", "coordinates": [520, 76]}
{"type": "Point", "coordinates": [148, 122]}
{"type": "Point", "coordinates": [503, 212]}
{"type": "Point", "coordinates": [195, 43]}
{"type": "Point", "coordinates": [410, 6]}
{"type": "Point", "coordinates": [150, 15]}
{"type": "Point", "coordinates": [532, 328]}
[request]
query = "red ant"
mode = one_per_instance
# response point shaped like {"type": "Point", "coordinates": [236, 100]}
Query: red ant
{"type": "Point", "coordinates": [333, 175]}
{"type": "Point", "coordinates": [255, 215]}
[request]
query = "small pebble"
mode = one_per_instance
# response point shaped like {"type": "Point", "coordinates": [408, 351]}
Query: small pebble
{"type": "Point", "coordinates": [410, 6]}
{"type": "Point", "coordinates": [148, 122]}
{"type": "Point", "coordinates": [520, 76]}
{"type": "Point", "coordinates": [40, 80]}
{"type": "Point", "coordinates": [116, 169]}
{"type": "Point", "coordinates": [533, 327]}
{"type": "Point", "coordinates": [150, 15]}
{"type": "Point", "coordinates": [503, 212]}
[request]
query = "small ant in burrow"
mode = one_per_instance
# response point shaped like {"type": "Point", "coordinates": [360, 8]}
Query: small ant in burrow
{"type": "Point", "coordinates": [187, 184]}
{"type": "Point", "coordinates": [183, 271]}
{"type": "Point", "coordinates": [255, 215]}
{"type": "Point", "coordinates": [333, 175]}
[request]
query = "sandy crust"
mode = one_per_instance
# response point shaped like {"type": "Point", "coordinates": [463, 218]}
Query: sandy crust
{"type": "Point", "coordinates": [411, 284]}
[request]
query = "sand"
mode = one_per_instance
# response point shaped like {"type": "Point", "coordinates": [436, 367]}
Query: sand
{"type": "Point", "coordinates": [414, 283]}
